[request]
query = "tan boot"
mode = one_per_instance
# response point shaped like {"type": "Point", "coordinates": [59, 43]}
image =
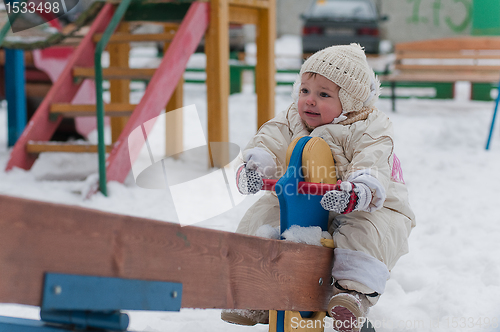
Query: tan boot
{"type": "Point", "coordinates": [348, 311]}
{"type": "Point", "coordinates": [245, 316]}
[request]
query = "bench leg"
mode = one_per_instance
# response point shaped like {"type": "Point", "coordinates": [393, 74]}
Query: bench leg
{"type": "Point", "coordinates": [493, 119]}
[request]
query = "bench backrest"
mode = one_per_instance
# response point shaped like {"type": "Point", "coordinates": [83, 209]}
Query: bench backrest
{"type": "Point", "coordinates": [467, 55]}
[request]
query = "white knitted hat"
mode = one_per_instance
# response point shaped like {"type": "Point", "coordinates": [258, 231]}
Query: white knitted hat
{"type": "Point", "coordinates": [346, 66]}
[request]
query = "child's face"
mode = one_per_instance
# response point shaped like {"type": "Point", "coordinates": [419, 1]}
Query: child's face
{"type": "Point", "coordinates": [319, 101]}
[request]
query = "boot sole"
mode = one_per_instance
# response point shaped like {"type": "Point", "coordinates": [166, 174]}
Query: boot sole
{"type": "Point", "coordinates": [349, 306]}
{"type": "Point", "coordinates": [234, 318]}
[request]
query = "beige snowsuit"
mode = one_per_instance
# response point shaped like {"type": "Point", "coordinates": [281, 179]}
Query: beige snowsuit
{"type": "Point", "coordinates": [364, 146]}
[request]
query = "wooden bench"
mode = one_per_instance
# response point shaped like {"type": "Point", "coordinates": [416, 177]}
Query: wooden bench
{"type": "Point", "coordinates": [473, 59]}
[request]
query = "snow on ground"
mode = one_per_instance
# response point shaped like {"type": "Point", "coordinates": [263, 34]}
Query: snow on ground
{"type": "Point", "coordinates": [450, 280]}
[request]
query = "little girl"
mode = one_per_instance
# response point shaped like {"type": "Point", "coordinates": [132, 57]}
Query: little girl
{"type": "Point", "coordinates": [371, 218]}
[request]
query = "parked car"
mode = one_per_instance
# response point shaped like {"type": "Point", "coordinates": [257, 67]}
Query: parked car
{"type": "Point", "coordinates": [340, 22]}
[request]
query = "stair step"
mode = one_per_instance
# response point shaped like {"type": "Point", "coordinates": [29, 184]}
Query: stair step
{"type": "Point", "coordinates": [127, 37]}
{"type": "Point", "coordinates": [70, 110]}
{"type": "Point", "coordinates": [250, 3]}
{"type": "Point", "coordinates": [115, 73]}
{"type": "Point", "coordinates": [38, 147]}
{"type": "Point", "coordinates": [73, 41]}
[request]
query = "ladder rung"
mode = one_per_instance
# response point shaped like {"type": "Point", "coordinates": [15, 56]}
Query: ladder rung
{"type": "Point", "coordinates": [71, 41]}
{"type": "Point", "coordinates": [70, 110]}
{"type": "Point", "coordinates": [250, 3]}
{"type": "Point", "coordinates": [115, 73]}
{"type": "Point", "coordinates": [38, 147]}
{"type": "Point", "coordinates": [127, 37]}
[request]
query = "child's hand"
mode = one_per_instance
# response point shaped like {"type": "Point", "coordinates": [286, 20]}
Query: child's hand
{"type": "Point", "coordinates": [248, 181]}
{"type": "Point", "coordinates": [258, 159]}
{"type": "Point", "coordinates": [347, 198]}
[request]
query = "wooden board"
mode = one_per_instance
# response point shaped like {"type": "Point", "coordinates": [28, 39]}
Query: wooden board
{"type": "Point", "coordinates": [243, 15]}
{"type": "Point", "coordinates": [119, 89]}
{"type": "Point", "coordinates": [262, 4]}
{"type": "Point", "coordinates": [74, 110]}
{"type": "Point", "coordinates": [217, 69]}
{"type": "Point", "coordinates": [217, 269]}
{"type": "Point", "coordinates": [441, 77]}
{"type": "Point", "coordinates": [174, 129]}
{"type": "Point", "coordinates": [116, 73]}
{"type": "Point", "coordinates": [467, 58]}
{"type": "Point", "coordinates": [457, 43]}
{"type": "Point", "coordinates": [146, 37]}
{"type": "Point", "coordinates": [39, 147]}
{"type": "Point", "coordinates": [265, 68]}
{"type": "Point", "coordinates": [456, 54]}
{"type": "Point", "coordinates": [449, 68]}
{"type": "Point", "coordinates": [37, 89]}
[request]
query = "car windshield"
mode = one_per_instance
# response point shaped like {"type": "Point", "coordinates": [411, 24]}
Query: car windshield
{"type": "Point", "coordinates": [346, 9]}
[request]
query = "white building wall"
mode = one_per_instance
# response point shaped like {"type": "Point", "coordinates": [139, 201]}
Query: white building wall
{"type": "Point", "coordinates": [408, 19]}
{"type": "Point", "coordinates": [426, 19]}
{"type": "Point", "coordinates": [288, 16]}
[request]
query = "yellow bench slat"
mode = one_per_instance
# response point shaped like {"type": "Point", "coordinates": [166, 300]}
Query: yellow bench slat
{"type": "Point", "coordinates": [441, 77]}
{"type": "Point", "coordinates": [452, 68]}
{"type": "Point", "coordinates": [448, 55]}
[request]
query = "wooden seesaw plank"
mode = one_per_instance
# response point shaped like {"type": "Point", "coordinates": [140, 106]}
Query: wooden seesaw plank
{"type": "Point", "coordinates": [217, 269]}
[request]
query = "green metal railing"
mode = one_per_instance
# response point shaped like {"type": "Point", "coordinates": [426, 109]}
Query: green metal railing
{"type": "Point", "coordinates": [100, 47]}
{"type": "Point", "coordinates": [4, 31]}
{"type": "Point", "coordinates": [6, 27]}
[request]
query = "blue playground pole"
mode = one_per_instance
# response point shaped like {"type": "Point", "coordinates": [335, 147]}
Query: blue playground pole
{"type": "Point", "coordinates": [493, 119]}
{"type": "Point", "coordinates": [15, 94]}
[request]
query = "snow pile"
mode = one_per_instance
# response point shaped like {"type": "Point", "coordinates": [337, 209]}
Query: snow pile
{"type": "Point", "coordinates": [268, 232]}
{"type": "Point", "coordinates": [308, 235]}
{"type": "Point", "coordinates": [68, 166]}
